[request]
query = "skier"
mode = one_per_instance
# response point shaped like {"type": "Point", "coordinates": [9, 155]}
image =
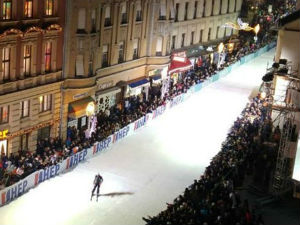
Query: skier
{"type": "Point", "coordinates": [97, 182]}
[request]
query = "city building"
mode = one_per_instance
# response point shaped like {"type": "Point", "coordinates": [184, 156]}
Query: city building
{"type": "Point", "coordinates": [31, 58]}
{"type": "Point", "coordinates": [113, 48]}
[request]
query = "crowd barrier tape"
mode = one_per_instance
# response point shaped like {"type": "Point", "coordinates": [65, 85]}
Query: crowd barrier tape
{"type": "Point", "coordinates": [14, 191]}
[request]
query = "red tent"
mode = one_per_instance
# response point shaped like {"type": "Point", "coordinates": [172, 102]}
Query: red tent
{"type": "Point", "coordinates": [180, 66]}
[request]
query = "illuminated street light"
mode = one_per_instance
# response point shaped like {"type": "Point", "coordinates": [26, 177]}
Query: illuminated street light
{"type": "Point", "coordinates": [221, 47]}
{"type": "Point", "coordinates": [90, 109]}
{"type": "Point", "coordinates": [220, 50]}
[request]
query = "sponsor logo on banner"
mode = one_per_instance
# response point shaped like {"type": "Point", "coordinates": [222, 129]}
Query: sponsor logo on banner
{"type": "Point", "coordinates": [141, 122]}
{"type": "Point", "coordinates": [45, 174]}
{"type": "Point", "coordinates": [160, 110]}
{"type": "Point", "coordinates": [14, 192]}
{"type": "Point", "coordinates": [99, 146]}
{"type": "Point", "coordinates": [75, 159]}
{"type": "Point", "coordinates": [120, 134]}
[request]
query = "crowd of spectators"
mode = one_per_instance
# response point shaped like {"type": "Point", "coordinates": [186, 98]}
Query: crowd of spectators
{"type": "Point", "coordinates": [213, 199]}
{"type": "Point", "coordinates": [53, 150]}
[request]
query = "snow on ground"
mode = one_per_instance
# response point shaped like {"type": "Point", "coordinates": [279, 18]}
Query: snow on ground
{"type": "Point", "coordinates": [145, 170]}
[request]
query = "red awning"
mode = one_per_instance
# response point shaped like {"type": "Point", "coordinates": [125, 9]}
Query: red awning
{"type": "Point", "coordinates": [178, 66]}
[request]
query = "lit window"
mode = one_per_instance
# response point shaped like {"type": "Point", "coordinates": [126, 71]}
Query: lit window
{"type": "Point", "coordinates": [6, 63]}
{"type": "Point", "coordinates": [28, 9]}
{"type": "Point", "coordinates": [27, 59]}
{"type": "Point", "coordinates": [48, 49]}
{"type": "Point", "coordinates": [49, 7]}
{"type": "Point", "coordinates": [4, 114]}
{"type": "Point", "coordinates": [45, 102]}
{"type": "Point", "coordinates": [24, 108]}
{"type": "Point", "coordinates": [7, 8]}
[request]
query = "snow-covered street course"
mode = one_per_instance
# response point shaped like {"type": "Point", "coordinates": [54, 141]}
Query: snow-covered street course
{"type": "Point", "coordinates": [145, 170]}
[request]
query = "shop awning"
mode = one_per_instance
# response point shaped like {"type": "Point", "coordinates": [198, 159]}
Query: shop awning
{"type": "Point", "coordinates": [77, 109]}
{"type": "Point", "coordinates": [156, 77]}
{"type": "Point", "coordinates": [178, 66]}
{"type": "Point", "coordinates": [138, 83]}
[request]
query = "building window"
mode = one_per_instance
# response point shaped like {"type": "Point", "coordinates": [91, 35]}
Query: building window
{"type": "Point", "coordinates": [79, 66]}
{"type": "Point", "coordinates": [209, 34]}
{"type": "Point", "coordinates": [27, 60]}
{"type": "Point", "coordinates": [192, 37]}
{"type": "Point", "coordinates": [138, 13]}
{"type": "Point", "coordinates": [212, 7]}
{"type": "Point", "coordinates": [48, 51]}
{"type": "Point", "coordinates": [93, 18]}
{"type": "Point", "coordinates": [195, 9]}
{"type": "Point", "coordinates": [204, 5]}
{"type": "Point", "coordinates": [135, 48]}
{"type": "Point", "coordinates": [173, 42]}
{"type": "Point", "coordinates": [49, 5]}
{"type": "Point", "coordinates": [24, 108]}
{"type": "Point", "coordinates": [43, 133]}
{"type": "Point", "coordinates": [121, 52]}
{"type": "Point", "coordinates": [159, 43]}
{"type": "Point", "coordinates": [6, 63]}
{"type": "Point", "coordinates": [81, 20]}
{"type": "Point", "coordinates": [162, 10]}
{"type": "Point", "coordinates": [4, 111]}
{"type": "Point", "coordinates": [91, 64]}
{"type": "Point", "coordinates": [201, 36]}
{"type": "Point", "coordinates": [217, 33]}
{"type": "Point", "coordinates": [123, 14]}
{"type": "Point", "coordinates": [107, 21]}
{"type": "Point", "coordinates": [24, 141]}
{"type": "Point", "coordinates": [186, 10]}
{"type": "Point", "coordinates": [45, 102]}
{"type": "Point", "coordinates": [176, 12]}
{"type": "Point", "coordinates": [28, 8]}
{"type": "Point", "coordinates": [182, 40]}
{"type": "Point", "coordinates": [105, 56]}
{"type": "Point", "coordinates": [7, 9]}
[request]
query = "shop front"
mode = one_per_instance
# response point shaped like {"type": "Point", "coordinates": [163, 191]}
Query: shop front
{"type": "Point", "coordinates": [107, 98]}
{"type": "Point", "coordinates": [138, 87]}
{"type": "Point", "coordinates": [179, 64]}
{"type": "Point", "coordinates": [155, 77]}
{"type": "Point", "coordinates": [79, 112]}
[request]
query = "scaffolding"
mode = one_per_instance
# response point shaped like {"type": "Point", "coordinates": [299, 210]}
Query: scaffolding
{"type": "Point", "coordinates": [285, 120]}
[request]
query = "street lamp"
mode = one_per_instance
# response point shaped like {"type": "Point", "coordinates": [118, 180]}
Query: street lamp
{"type": "Point", "coordinates": [256, 30]}
{"type": "Point", "coordinates": [90, 111]}
{"type": "Point", "coordinates": [220, 50]}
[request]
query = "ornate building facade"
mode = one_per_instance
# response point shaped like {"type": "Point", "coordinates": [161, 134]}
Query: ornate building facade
{"type": "Point", "coordinates": [53, 70]}
{"type": "Point", "coordinates": [112, 44]}
{"type": "Point", "coordinates": [31, 58]}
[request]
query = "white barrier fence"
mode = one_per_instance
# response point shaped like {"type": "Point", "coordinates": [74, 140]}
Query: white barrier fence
{"type": "Point", "coordinates": [14, 191]}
